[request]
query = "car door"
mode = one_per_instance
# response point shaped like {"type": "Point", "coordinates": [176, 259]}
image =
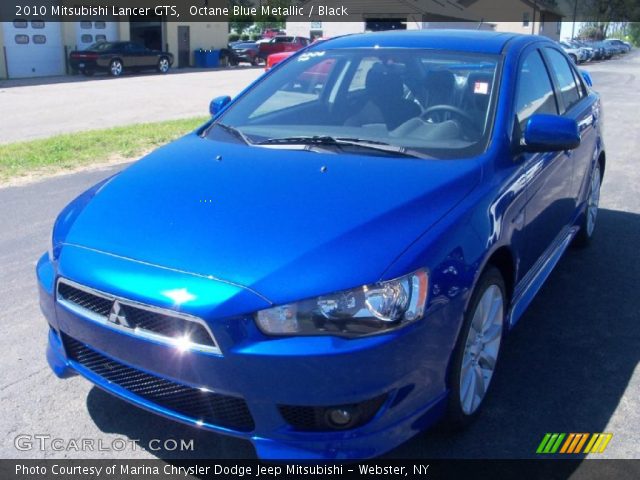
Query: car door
{"type": "Point", "coordinates": [548, 175]}
{"type": "Point", "coordinates": [133, 55]}
{"type": "Point", "coordinates": [148, 58]}
{"type": "Point", "coordinates": [576, 103]}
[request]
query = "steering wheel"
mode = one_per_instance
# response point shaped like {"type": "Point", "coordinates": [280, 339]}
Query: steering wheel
{"type": "Point", "coordinates": [461, 114]}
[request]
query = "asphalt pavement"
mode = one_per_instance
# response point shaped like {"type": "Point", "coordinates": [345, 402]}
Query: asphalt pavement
{"type": "Point", "coordinates": [571, 365]}
{"type": "Point", "coordinates": [39, 108]}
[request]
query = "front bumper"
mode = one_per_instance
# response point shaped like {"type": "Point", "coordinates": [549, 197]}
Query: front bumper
{"type": "Point", "coordinates": [407, 367]}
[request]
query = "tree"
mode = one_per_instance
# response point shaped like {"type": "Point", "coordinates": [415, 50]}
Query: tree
{"type": "Point", "coordinates": [633, 32]}
{"type": "Point", "coordinates": [239, 23]}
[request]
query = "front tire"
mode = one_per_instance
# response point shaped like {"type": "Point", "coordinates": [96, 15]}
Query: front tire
{"type": "Point", "coordinates": [588, 223]}
{"type": "Point", "coordinates": [163, 65]}
{"type": "Point", "coordinates": [116, 68]}
{"type": "Point", "coordinates": [477, 351]}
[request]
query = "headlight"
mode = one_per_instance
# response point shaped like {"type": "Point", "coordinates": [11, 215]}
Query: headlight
{"type": "Point", "coordinates": [362, 311]}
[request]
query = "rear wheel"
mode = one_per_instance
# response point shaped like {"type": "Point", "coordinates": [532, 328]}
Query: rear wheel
{"type": "Point", "coordinates": [116, 68]}
{"type": "Point", "coordinates": [476, 354]}
{"type": "Point", "coordinates": [164, 65]}
{"type": "Point", "coordinates": [588, 224]}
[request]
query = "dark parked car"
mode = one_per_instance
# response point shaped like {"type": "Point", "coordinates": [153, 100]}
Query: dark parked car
{"type": "Point", "coordinates": [246, 52]}
{"type": "Point", "coordinates": [115, 57]}
{"type": "Point", "coordinates": [618, 45]}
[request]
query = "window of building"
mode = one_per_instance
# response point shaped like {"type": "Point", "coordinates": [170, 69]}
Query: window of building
{"type": "Point", "coordinates": [86, 38]}
{"type": "Point", "coordinates": [85, 25]}
{"type": "Point", "coordinates": [22, 39]}
{"type": "Point", "coordinates": [101, 38]}
{"type": "Point", "coordinates": [39, 39]}
{"type": "Point", "coordinates": [100, 25]}
{"type": "Point", "coordinates": [20, 24]}
{"type": "Point", "coordinates": [38, 24]}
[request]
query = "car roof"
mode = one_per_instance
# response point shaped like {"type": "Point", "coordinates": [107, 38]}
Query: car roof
{"type": "Point", "coordinates": [477, 41]}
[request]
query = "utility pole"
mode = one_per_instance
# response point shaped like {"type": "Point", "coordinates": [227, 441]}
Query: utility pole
{"type": "Point", "coordinates": [575, 12]}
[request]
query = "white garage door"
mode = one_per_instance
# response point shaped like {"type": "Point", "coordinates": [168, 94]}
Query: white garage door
{"type": "Point", "coordinates": [34, 48]}
{"type": "Point", "coordinates": [88, 33]}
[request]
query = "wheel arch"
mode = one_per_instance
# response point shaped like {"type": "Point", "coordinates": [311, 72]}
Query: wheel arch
{"type": "Point", "coordinates": [503, 260]}
{"type": "Point", "coordinates": [602, 161]}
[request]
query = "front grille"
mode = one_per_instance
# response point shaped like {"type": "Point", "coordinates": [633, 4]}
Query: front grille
{"type": "Point", "coordinates": [318, 419]}
{"type": "Point", "coordinates": [98, 305]}
{"type": "Point", "coordinates": [139, 318]}
{"type": "Point", "coordinates": [197, 404]}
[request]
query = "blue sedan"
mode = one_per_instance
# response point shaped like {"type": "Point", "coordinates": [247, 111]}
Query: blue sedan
{"type": "Point", "coordinates": [333, 262]}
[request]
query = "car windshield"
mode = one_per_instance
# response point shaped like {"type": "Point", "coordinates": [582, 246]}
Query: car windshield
{"type": "Point", "coordinates": [435, 103]}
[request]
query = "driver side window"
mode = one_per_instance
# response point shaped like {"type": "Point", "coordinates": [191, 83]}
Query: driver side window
{"type": "Point", "coordinates": [534, 90]}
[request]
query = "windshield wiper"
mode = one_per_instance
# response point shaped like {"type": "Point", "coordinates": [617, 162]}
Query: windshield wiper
{"type": "Point", "coordinates": [235, 131]}
{"type": "Point", "coordinates": [341, 141]}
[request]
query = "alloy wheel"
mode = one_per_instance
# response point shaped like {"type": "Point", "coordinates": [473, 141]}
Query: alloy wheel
{"type": "Point", "coordinates": [116, 68]}
{"type": "Point", "coordinates": [481, 349]}
{"type": "Point", "coordinates": [163, 65]}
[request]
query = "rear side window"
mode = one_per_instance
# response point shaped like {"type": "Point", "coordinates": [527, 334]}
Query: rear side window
{"type": "Point", "coordinates": [534, 91]}
{"type": "Point", "coordinates": [563, 73]}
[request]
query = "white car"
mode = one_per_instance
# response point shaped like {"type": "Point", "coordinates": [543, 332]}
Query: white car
{"type": "Point", "coordinates": [578, 55]}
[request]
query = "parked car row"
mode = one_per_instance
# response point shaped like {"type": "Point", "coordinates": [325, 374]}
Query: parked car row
{"type": "Point", "coordinates": [258, 52]}
{"type": "Point", "coordinates": [582, 51]}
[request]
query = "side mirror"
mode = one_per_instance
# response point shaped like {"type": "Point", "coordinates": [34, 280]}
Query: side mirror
{"type": "Point", "coordinates": [587, 77]}
{"type": "Point", "coordinates": [550, 133]}
{"type": "Point", "coordinates": [218, 104]}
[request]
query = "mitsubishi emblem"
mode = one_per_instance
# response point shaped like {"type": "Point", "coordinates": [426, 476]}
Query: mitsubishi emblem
{"type": "Point", "coordinates": [118, 315]}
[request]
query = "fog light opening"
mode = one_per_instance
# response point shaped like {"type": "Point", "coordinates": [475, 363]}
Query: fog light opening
{"type": "Point", "coordinates": [340, 417]}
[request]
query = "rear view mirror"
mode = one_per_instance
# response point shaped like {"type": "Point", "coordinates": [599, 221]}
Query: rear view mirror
{"type": "Point", "coordinates": [587, 77]}
{"type": "Point", "coordinates": [218, 104]}
{"type": "Point", "coordinates": [550, 133]}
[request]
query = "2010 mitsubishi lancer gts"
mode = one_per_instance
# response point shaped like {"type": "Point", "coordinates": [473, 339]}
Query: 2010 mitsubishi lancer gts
{"type": "Point", "coordinates": [332, 262]}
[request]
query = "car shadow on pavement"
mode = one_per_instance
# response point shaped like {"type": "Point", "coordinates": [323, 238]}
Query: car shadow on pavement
{"type": "Point", "coordinates": [563, 369]}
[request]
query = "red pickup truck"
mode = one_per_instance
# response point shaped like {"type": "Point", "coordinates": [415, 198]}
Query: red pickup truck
{"type": "Point", "coordinates": [281, 43]}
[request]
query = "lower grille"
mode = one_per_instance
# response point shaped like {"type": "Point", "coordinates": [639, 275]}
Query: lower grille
{"type": "Point", "coordinates": [205, 406]}
{"type": "Point", "coordinates": [319, 419]}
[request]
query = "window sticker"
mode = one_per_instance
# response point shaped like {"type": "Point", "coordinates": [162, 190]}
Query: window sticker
{"type": "Point", "coordinates": [481, 88]}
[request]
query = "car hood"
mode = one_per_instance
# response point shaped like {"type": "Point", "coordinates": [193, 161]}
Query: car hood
{"type": "Point", "coordinates": [288, 224]}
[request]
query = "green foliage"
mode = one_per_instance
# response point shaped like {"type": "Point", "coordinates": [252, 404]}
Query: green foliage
{"type": "Point", "coordinates": [633, 33]}
{"type": "Point", "coordinates": [233, 37]}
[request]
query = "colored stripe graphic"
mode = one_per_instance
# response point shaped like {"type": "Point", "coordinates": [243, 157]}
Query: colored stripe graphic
{"type": "Point", "coordinates": [556, 443]}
